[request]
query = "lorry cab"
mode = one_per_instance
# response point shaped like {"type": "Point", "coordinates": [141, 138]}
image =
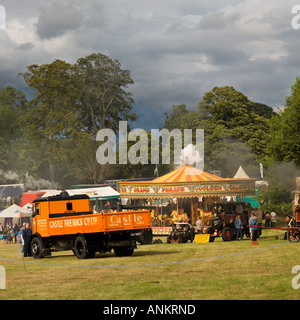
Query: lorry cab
{"type": "Point", "coordinates": [58, 206]}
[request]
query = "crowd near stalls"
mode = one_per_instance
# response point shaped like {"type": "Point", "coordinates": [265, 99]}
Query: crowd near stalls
{"type": "Point", "coordinates": [186, 193]}
{"type": "Point", "coordinates": [11, 220]}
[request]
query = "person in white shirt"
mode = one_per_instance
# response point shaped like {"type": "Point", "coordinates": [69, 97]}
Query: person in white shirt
{"type": "Point", "coordinates": [273, 219]}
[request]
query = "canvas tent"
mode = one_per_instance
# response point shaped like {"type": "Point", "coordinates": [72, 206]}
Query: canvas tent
{"type": "Point", "coordinates": [27, 206]}
{"type": "Point", "coordinates": [241, 174]}
{"type": "Point", "coordinates": [15, 211]}
{"type": "Point", "coordinates": [14, 214]}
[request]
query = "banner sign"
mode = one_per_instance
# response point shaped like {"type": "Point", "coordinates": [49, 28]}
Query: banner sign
{"type": "Point", "coordinates": [226, 188]}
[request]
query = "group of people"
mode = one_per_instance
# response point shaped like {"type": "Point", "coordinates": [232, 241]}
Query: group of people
{"type": "Point", "coordinates": [9, 233]}
{"type": "Point", "coordinates": [270, 219]}
{"type": "Point", "coordinates": [253, 223]}
{"type": "Point", "coordinates": [21, 235]}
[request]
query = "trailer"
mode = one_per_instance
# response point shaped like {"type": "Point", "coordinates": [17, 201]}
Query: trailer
{"type": "Point", "coordinates": [65, 222]}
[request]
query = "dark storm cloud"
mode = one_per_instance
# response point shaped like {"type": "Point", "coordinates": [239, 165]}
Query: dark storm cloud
{"type": "Point", "coordinates": [176, 50]}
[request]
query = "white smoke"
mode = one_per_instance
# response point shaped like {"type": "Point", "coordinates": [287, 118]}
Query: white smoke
{"type": "Point", "coordinates": [190, 156]}
{"type": "Point", "coordinates": [30, 183]}
{"type": "Point", "coordinates": [9, 175]}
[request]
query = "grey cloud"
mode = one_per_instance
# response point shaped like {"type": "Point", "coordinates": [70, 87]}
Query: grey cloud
{"type": "Point", "coordinates": [94, 16]}
{"type": "Point", "coordinates": [218, 20]}
{"type": "Point", "coordinates": [176, 50]}
{"type": "Point", "coordinates": [26, 46]}
{"type": "Point", "coordinates": [57, 19]}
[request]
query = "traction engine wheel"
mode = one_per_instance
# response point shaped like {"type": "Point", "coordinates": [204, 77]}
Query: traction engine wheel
{"type": "Point", "coordinates": [227, 234]}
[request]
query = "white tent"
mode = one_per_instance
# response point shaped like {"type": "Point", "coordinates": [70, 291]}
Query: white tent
{"type": "Point", "coordinates": [15, 211]}
{"type": "Point", "coordinates": [102, 193]}
{"type": "Point", "coordinates": [241, 174]}
{"type": "Point", "coordinates": [27, 206]}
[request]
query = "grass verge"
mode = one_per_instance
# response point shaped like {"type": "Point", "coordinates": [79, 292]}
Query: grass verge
{"type": "Point", "coordinates": [234, 270]}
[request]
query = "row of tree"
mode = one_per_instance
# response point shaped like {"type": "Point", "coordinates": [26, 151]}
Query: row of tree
{"type": "Point", "coordinates": [53, 135]}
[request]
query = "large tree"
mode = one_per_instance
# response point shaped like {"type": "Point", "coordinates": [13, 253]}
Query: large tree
{"type": "Point", "coordinates": [71, 103]}
{"type": "Point", "coordinates": [104, 97]}
{"type": "Point", "coordinates": [103, 101]}
{"type": "Point", "coordinates": [284, 143]}
{"type": "Point", "coordinates": [52, 116]}
{"type": "Point", "coordinates": [13, 104]}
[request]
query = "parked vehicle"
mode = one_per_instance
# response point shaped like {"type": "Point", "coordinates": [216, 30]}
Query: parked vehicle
{"type": "Point", "coordinates": [67, 223]}
{"type": "Point", "coordinates": [181, 232]}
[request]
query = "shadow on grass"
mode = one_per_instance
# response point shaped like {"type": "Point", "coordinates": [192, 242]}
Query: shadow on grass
{"type": "Point", "coordinates": [107, 255]}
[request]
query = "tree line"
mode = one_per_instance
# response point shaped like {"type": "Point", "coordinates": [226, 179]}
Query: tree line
{"type": "Point", "coordinates": [52, 136]}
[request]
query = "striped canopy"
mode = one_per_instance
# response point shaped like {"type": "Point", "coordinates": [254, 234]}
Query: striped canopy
{"type": "Point", "coordinates": [187, 174]}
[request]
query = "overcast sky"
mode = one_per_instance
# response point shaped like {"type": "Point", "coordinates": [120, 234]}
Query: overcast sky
{"type": "Point", "coordinates": [176, 50]}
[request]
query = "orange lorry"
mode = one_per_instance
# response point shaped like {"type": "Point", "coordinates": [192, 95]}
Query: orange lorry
{"type": "Point", "coordinates": [66, 222]}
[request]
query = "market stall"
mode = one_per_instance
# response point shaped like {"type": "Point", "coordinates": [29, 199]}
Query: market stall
{"type": "Point", "coordinates": [184, 193]}
{"type": "Point", "coordinates": [14, 215]}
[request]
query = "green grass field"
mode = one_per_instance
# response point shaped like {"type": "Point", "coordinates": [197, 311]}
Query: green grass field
{"type": "Point", "coordinates": [189, 271]}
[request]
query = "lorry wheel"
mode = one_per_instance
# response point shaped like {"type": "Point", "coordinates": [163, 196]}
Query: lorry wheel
{"type": "Point", "coordinates": [227, 234]}
{"type": "Point", "coordinates": [149, 236]}
{"type": "Point", "coordinates": [146, 237]}
{"type": "Point", "coordinates": [123, 252]}
{"type": "Point", "coordinates": [80, 248]}
{"type": "Point", "coordinates": [36, 247]}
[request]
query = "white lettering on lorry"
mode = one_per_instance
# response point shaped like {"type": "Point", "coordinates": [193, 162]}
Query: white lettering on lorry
{"type": "Point", "coordinates": [76, 222]}
{"type": "Point", "coordinates": [115, 219]}
{"type": "Point", "coordinates": [56, 224]}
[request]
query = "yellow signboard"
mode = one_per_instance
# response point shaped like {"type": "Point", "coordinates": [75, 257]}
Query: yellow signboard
{"type": "Point", "coordinates": [202, 238]}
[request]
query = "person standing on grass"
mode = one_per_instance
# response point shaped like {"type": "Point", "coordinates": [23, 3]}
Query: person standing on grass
{"type": "Point", "coordinates": [267, 219]}
{"type": "Point", "coordinates": [16, 229]}
{"type": "Point", "coordinates": [273, 219]}
{"type": "Point", "coordinates": [199, 225]}
{"type": "Point", "coordinates": [26, 235]}
{"type": "Point", "coordinates": [238, 226]}
{"type": "Point", "coordinates": [253, 223]}
{"type": "Point", "coordinates": [250, 230]}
